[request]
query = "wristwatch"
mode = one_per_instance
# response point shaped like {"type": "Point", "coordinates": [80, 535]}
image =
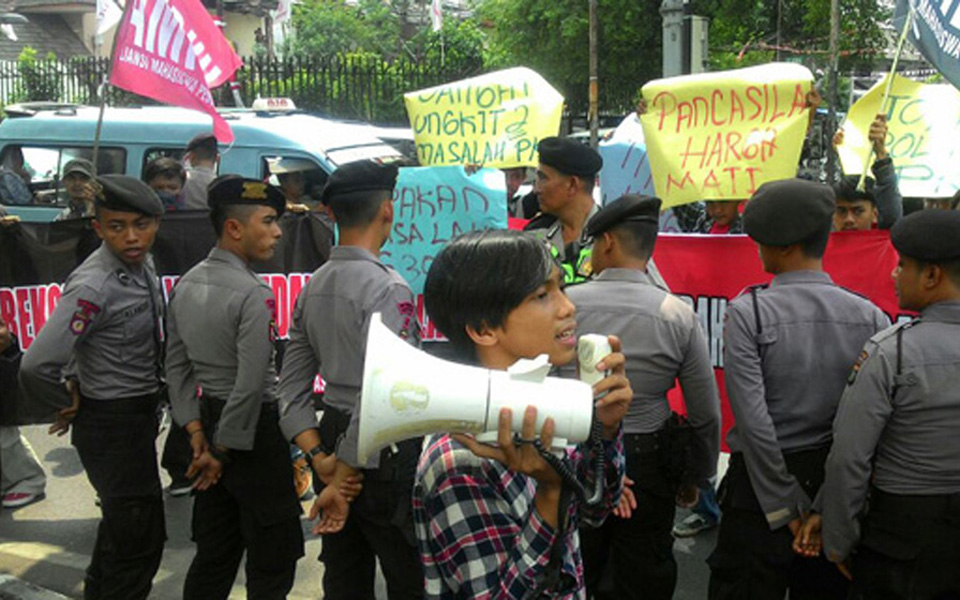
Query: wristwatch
{"type": "Point", "coordinates": [313, 452]}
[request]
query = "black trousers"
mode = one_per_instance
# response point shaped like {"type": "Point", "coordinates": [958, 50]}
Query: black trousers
{"type": "Point", "coordinates": [253, 509]}
{"type": "Point", "coordinates": [115, 440]}
{"type": "Point", "coordinates": [751, 562]}
{"type": "Point", "coordinates": [379, 526]}
{"type": "Point", "coordinates": [909, 548]}
{"type": "Point", "coordinates": [639, 549]}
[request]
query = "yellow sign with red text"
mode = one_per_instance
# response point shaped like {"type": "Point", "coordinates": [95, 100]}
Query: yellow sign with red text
{"type": "Point", "coordinates": [719, 136]}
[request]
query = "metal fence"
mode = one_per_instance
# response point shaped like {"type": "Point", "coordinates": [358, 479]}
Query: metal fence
{"type": "Point", "coordinates": [349, 87]}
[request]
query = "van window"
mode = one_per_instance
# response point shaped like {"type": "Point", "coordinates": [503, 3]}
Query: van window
{"type": "Point", "coordinates": [43, 165]}
{"type": "Point", "coordinates": [301, 179]}
{"type": "Point", "coordinates": [153, 154]}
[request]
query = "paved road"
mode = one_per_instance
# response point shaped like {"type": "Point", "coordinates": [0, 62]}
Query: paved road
{"type": "Point", "coordinates": [48, 543]}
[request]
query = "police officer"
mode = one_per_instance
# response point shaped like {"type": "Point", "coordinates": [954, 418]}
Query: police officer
{"type": "Point", "coordinates": [662, 341]}
{"type": "Point", "coordinates": [566, 176]}
{"type": "Point", "coordinates": [891, 497]}
{"type": "Point", "coordinates": [222, 328]}
{"type": "Point", "coordinates": [104, 340]}
{"type": "Point", "coordinates": [200, 158]}
{"type": "Point", "coordinates": [788, 348]}
{"type": "Point", "coordinates": [328, 335]}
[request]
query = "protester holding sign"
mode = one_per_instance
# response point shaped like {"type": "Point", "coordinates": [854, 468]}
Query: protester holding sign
{"type": "Point", "coordinates": [565, 180]}
{"type": "Point", "coordinates": [776, 338]}
{"type": "Point", "coordinates": [878, 203]}
{"type": "Point", "coordinates": [104, 339]}
{"type": "Point", "coordinates": [329, 334]}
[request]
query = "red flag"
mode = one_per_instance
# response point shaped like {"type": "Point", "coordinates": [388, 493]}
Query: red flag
{"type": "Point", "coordinates": [171, 51]}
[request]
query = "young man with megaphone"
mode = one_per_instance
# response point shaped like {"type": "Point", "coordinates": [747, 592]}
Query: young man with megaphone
{"type": "Point", "coordinates": [500, 519]}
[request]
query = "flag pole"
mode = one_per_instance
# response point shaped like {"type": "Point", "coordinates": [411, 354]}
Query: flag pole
{"type": "Point", "coordinates": [103, 88]}
{"type": "Point", "coordinates": [886, 90]}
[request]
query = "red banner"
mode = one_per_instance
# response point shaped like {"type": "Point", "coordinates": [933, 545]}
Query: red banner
{"type": "Point", "coordinates": [171, 51]}
{"type": "Point", "coordinates": [707, 271]}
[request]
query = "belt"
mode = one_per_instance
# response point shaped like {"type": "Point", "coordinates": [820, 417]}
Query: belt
{"type": "Point", "coordinates": [926, 506]}
{"type": "Point", "coordinates": [641, 443]}
{"type": "Point", "coordinates": [132, 405]}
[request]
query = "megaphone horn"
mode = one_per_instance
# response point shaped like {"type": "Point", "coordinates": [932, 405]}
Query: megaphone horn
{"type": "Point", "coordinates": [406, 393]}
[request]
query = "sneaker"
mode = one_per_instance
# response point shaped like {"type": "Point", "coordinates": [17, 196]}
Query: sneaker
{"type": "Point", "coordinates": [692, 525]}
{"type": "Point", "coordinates": [180, 488]}
{"type": "Point", "coordinates": [18, 499]}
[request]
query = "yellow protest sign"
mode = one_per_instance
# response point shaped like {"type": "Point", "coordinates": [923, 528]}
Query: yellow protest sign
{"type": "Point", "coordinates": [494, 120]}
{"type": "Point", "coordinates": [922, 138]}
{"type": "Point", "coordinates": [719, 136]}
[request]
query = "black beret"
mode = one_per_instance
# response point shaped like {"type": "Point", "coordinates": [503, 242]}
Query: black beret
{"type": "Point", "coordinates": [128, 194]}
{"type": "Point", "coordinates": [234, 189]}
{"type": "Point", "coordinates": [79, 165]}
{"type": "Point", "coordinates": [202, 140]}
{"type": "Point", "coordinates": [790, 211]}
{"type": "Point", "coordinates": [359, 176]}
{"type": "Point", "coordinates": [570, 157]}
{"type": "Point", "coordinates": [629, 207]}
{"type": "Point", "coordinates": [929, 235]}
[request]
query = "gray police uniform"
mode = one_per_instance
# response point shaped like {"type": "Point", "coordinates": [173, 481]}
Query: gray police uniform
{"type": "Point", "coordinates": [328, 335]}
{"type": "Point", "coordinates": [105, 332]}
{"type": "Point", "coordinates": [892, 490]}
{"type": "Point", "coordinates": [788, 348]}
{"type": "Point", "coordinates": [896, 450]}
{"type": "Point", "coordinates": [662, 340]}
{"type": "Point", "coordinates": [222, 330]}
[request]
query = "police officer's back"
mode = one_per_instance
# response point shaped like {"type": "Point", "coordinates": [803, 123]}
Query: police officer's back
{"type": "Point", "coordinates": [104, 337]}
{"type": "Point", "coordinates": [891, 498]}
{"type": "Point", "coordinates": [328, 335]}
{"type": "Point", "coordinates": [222, 329]}
{"type": "Point", "coordinates": [662, 341]}
{"type": "Point", "coordinates": [787, 350]}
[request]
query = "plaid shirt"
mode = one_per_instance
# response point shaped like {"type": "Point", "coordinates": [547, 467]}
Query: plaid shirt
{"type": "Point", "coordinates": [478, 531]}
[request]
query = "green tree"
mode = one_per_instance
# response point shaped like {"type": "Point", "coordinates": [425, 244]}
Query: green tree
{"type": "Point", "coordinates": [745, 32]}
{"type": "Point", "coordinates": [39, 78]}
{"type": "Point", "coordinates": [551, 37]}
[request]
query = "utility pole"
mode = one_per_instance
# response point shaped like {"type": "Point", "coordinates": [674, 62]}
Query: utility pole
{"type": "Point", "coordinates": [672, 13]}
{"type": "Point", "coordinates": [834, 94]}
{"type": "Point", "coordinates": [594, 112]}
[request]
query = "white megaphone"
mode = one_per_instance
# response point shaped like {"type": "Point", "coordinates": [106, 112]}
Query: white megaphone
{"type": "Point", "coordinates": [407, 393]}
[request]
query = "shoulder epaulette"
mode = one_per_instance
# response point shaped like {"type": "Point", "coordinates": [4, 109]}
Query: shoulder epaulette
{"type": "Point", "coordinates": [540, 220]}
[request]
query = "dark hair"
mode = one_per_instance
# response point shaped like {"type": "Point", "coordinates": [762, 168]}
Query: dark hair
{"type": "Point", "coordinates": [815, 245]}
{"type": "Point", "coordinates": [357, 209]}
{"type": "Point", "coordinates": [479, 278]}
{"type": "Point", "coordinates": [239, 212]}
{"type": "Point", "coordinates": [165, 167]}
{"type": "Point", "coordinates": [205, 150]}
{"type": "Point", "coordinates": [589, 182]}
{"type": "Point", "coordinates": [951, 268]}
{"type": "Point", "coordinates": [847, 189]}
{"type": "Point", "coordinates": [637, 238]}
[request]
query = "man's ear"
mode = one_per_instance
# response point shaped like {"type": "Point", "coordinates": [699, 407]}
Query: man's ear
{"type": "Point", "coordinates": [386, 209]}
{"type": "Point", "coordinates": [233, 228]}
{"type": "Point", "coordinates": [484, 336]}
{"type": "Point", "coordinates": [97, 227]}
{"type": "Point", "coordinates": [329, 211]}
{"type": "Point", "coordinates": [932, 276]}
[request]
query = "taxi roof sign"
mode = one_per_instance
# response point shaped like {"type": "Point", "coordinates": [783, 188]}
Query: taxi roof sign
{"type": "Point", "coordinates": [274, 104]}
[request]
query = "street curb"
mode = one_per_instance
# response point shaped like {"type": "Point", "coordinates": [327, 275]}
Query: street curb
{"type": "Point", "coordinates": [12, 588]}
